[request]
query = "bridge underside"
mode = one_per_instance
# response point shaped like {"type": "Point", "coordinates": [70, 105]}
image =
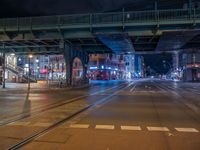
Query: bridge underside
{"type": "Point", "coordinates": [177, 40]}
{"type": "Point", "coordinates": [118, 42]}
{"type": "Point", "coordinates": [146, 44]}
{"type": "Point", "coordinates": [117, 32]}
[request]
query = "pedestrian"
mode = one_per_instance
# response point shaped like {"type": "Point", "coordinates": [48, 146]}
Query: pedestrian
{"type": "Point", "coordinates": [60, 81]}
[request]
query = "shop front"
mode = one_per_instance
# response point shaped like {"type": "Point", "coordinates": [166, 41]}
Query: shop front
{"type": "Point", "coordinates": [192, 73]}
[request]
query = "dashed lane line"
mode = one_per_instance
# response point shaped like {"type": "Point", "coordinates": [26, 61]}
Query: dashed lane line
{"type": "Point", "coordinates": [107, 127]}
{"type": "Point", "coordinates": [132, 128]}
{"type": "Point", "coordinates": [80, 126]}
{"type": "Point", "coordinates": [165, 129]}
{"type": "Point", "coordinates": [186, 129]}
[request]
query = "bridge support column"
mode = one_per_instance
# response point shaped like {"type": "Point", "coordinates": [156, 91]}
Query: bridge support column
{"type": "Point", "coordinates": [68, 61]}
{"type": "Point", "coordinates": [70, 53]}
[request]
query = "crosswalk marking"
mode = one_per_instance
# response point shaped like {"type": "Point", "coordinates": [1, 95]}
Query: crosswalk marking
{"type": "Point", "coordinates": [137, 128]}
{"type": "Point", "coordinates": [186, 129]}
{"type": "Point", "coordinates": [157, 128]}
{"type": "Point", "coordinates": [81, 126]}
{"type": "Point", "coordinates": [19, 124]}
{"type": "Point", "coordinates": [107, 127]}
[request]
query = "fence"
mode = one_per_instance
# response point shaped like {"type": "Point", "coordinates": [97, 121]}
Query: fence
{"type": "Point", "coordinates": [98, 18]}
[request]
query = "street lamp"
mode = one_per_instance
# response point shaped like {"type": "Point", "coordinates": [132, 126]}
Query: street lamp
{"type": "Point", "coordinates": [29, 69]}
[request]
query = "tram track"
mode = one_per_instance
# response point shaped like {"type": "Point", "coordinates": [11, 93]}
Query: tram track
{"type": "Point", "coordinates": [180, 100]}
{"type": "Point", "coordinates": [64, 120]}
{"type": "Point", "coordinates": [39, 110]}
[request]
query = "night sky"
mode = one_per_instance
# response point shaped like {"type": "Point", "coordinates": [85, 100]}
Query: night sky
{"type": "Point", "coordinates": [19, 8]}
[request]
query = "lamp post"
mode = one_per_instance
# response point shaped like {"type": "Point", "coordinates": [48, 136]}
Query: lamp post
{"type": "Point", "coordinates": [29, 70]}
{"type": "Point", "coordinates": [4, 67]}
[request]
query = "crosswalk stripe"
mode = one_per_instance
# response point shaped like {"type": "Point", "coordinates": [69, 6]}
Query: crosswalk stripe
{"type": "Point", "coordinates": [157, 128]}
{"type": "Point", "coordinates": [80, 126]}
{"type": "Point", "coordinates": [186, 129]}
{"type": "Point", "coordinates": [137, 128]}
{"type": "Point", "coordinates": [108, 127]}
{"type": "Point", "coordinates": [19, 124]}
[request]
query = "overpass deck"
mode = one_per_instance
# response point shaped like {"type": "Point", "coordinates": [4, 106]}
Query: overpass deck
{"type": "Point", "coordinates": [43, 34]}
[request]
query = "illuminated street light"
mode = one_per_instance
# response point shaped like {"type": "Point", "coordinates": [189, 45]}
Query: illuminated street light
{"type": "Point", "coordinates": [30, 56]}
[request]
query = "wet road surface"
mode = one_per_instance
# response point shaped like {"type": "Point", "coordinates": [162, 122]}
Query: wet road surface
{"type": "Point", "coordinates": [135, 115]}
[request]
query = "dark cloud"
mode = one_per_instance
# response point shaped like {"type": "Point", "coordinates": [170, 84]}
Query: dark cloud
{"type": "Point", "coordinates": [14, 8]}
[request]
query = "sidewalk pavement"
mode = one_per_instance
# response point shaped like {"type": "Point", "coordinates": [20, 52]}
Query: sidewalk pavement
{"type": "Point", "coordinates": [40, 85]}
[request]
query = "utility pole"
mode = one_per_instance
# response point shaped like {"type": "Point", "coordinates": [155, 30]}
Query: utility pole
{"type": "Point", "coordinates": [4, 66]}
{"type": "Point", "coordinates": [29, 70]}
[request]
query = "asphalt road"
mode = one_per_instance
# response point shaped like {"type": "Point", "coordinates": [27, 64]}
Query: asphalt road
{"type": "Point", "coordinates": [146, 114]}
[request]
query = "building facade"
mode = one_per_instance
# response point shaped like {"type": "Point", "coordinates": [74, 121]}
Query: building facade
{"type": "Point", "coordinates": [53, 67]}
{"type": "Point", "coordinates": [139, 66]}
{"type": "Point", "coordinates": [107, 67]}
{"type": "Point", "coordinates": [191, 66]}
{"type": "Point", "coordinates": [130, 66]}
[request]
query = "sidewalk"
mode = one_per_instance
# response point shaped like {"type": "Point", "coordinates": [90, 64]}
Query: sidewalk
{"type": "Point", "coordinates": [40, 85]}
{"type": "Point", "coordinates": [23, 86]}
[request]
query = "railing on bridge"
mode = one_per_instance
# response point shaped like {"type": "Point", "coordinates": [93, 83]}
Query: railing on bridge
{"type": "Point", "coordinates": [98, 18]}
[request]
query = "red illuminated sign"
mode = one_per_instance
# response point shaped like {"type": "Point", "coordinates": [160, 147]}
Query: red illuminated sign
{"type": "Point", "coordinates": [44, 71]}
{"type": "Point", "coordinates": [193, 65]}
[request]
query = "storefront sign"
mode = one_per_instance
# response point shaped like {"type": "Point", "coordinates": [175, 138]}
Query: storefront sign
{"type": "Point", "coordinates": [193, 66]}
{"type": "Point", "coordinates": [44, 71]}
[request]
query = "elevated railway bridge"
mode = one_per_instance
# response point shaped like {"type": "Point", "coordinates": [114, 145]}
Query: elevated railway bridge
{"type": "Point", "coordinates": [141, 32]}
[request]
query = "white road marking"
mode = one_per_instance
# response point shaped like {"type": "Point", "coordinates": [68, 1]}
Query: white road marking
{"type": "Point", "coordinates": [80, 126]}
{"type": "Point", "coordinates": [133, 88]}
{"type": "Point", "coordinates": [136, 128]}
{"type": "Point", "coordinates": [157, 128]}
{"type": "Point", "coordinates": [19, 124]}
{"type": "Point", "coordinates": [186, 129]}
{"type": "Point", "coordinates": [107, 127]}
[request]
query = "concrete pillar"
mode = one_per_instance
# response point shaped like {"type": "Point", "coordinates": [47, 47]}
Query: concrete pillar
{"type": "Point", "coordinates": [68, 60]}
{"type": "Point", "coordinates": [70, 53]}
